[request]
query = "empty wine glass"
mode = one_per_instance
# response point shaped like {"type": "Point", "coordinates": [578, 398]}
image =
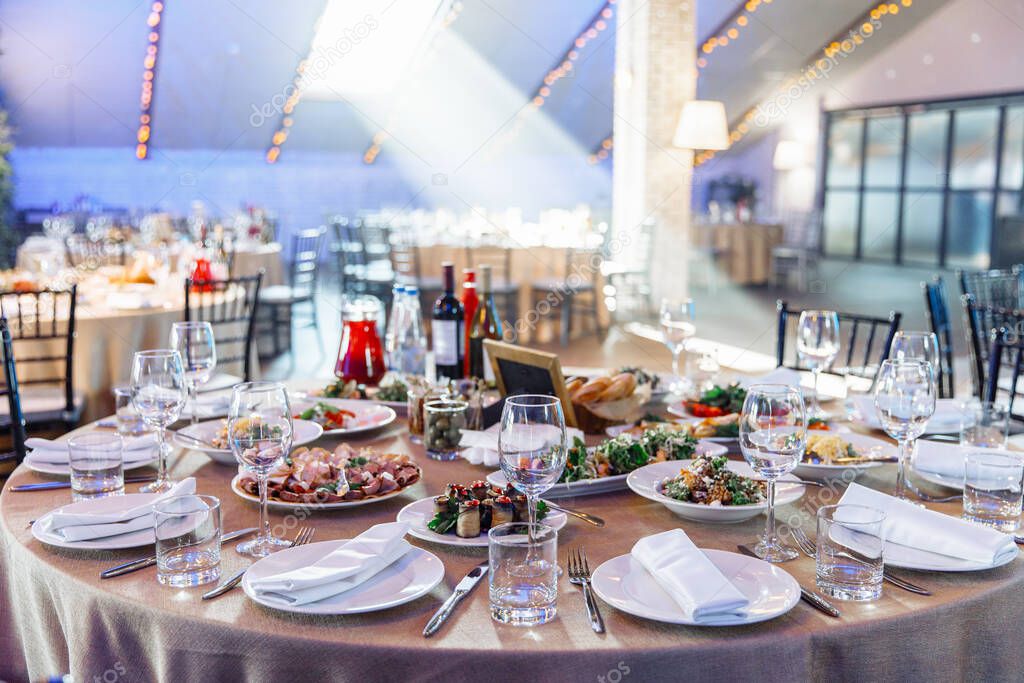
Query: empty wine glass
{"type": "Point", "coordinates": [260, 435]}
{"type": "Point", "coordinates": [916, 346]}
{"type": "Point", "coordinates": [158, 394]}
{"type": "Point", "coordinates": [905, 400]}
{"type": "Point", "coordinates": [531, 445]}
{"type": "Point", "coordinates": [817, 345]}
{"type": "Point", "coordinates": [677, 326]}
{"type": "Point", "coordinates": [195, 342]}
{"type": "Point", "coordinates": [772, 436]}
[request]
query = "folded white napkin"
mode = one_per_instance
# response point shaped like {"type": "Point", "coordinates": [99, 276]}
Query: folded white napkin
{"type": "Point", "coordinates": [787, 376]}
{"type": "Point", "coordinates": [911, 526]}
{"type": "Point", "coordinates": [135, 449]}
{"type": "Point", "coordinates": [684, 572]}
{"type": "Point", "coordinates": [112, 516]}
{"type": "Point", "coordinates": [946, 419]}
{"type": "Point", "coordinates": [481, 448]}
{"type": "Point", "coordinates": [342, 569]}
{"type": "Point", "coordinates": [129, 443]}
{"type": "Point", "coordinates": [208, 405]}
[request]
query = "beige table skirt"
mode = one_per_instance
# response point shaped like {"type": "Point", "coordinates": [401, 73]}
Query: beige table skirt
{"type": "Point", "coordinates": [57, 616]}
{"type": "Point", "coordinates": [266, 257]}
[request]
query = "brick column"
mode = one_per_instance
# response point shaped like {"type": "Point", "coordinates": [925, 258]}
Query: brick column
{"type": "Point", "coordinates": [655, 73]}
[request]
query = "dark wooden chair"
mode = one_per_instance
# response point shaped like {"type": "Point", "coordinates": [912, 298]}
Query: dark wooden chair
{"type": "Point", "coordinates": [981, 321]}
{"type": "Point", "coordinates": [506, 292]}
{"type": "Point", "coordinates": [299, 295]}
{"type": "Point", "coordinates": [230, 306]}
{"type": "Point", "coordinates": [942, 327]}
{"type": "Point", "coordinates": [575, 292]}
{"type": "Point", "coordinates": [15, 418]}
{"type": "Point", "coordinates": [1006, 351]}
{"type": "Point", "coordinates": [41, 324]}
{"type": "Point", "coordinates": [864, 341]}
{"type": "Point", "coordinates": [1001, 288]}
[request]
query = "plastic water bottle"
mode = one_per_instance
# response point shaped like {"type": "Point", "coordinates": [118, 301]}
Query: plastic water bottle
{"type": "Point", "coordinates": [394, 325]}
{"type": "Point", "coordinates": [412, 340]}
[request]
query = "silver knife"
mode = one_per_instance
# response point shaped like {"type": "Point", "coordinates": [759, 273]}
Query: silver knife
{"type": "Point", "coordinates": [50, 485]}
{"type": "Point", "coordinates": [144, 562]}
{"type": "Point", "coordinates": [811, 598]}
{"type": "Point", "coordinates": [462, 590]}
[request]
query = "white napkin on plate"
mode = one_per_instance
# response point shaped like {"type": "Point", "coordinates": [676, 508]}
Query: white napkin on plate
{"type": "Point", "coordinates": [135, 449]}
{"type": "Point", "coordinates": [112, 516]}
{"type": "Point", "coordinates": [209, 405]}
{"type": "Point", "coordinates": [689, 577]}
{"type": "Point", "coordinates": [780, 375]}
{"type": "Point", "coordinates": [481, 448]}
{"type": "Point", "coordinates": [946, 419]}
{"type": "Point", "coordinates": [911, 526]}
{"type": "Point", "coordinates": [342, 569]}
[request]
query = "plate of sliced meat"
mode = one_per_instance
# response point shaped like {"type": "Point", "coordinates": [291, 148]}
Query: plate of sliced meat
{"type": "Point", "coordinates": [317, 478]}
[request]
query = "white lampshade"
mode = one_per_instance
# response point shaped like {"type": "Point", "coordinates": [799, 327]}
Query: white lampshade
{"type": "Point", "coordinates": [790, 155]}
{"type": "Point", "coordinates": [702, 125]}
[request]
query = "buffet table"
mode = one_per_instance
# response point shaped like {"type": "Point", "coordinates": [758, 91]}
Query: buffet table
{"type": "Point", "coordinates": [54, 607]}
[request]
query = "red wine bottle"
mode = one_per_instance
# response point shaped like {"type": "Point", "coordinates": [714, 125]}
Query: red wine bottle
{"type": "Point", "coordinates": [446, 329]}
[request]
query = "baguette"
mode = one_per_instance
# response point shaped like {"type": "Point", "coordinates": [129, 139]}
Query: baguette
{"type": "Point", "coordinates": [622, 385]}
{"type": "Point", "coordinates": [591, 390]}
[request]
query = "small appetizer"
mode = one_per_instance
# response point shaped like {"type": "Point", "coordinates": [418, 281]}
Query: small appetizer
{"type": "Point", "coordinates": [468, 511]}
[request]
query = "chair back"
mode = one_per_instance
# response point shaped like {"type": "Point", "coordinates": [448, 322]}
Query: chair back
{"type": "Point", "coordinates": [375, 239]}
{"type": "Point", "coordinates": [942, 327]}
{"type": "Point", "coordinates": [980, 322]}
{"type": "Point", "coordinates": [305, 268]}
{"type": "Point", "coordinates": [583, 264]}
{"type": "Point", "coordinates": [405, 261]}
{"type": "Point", "coordinates": [1007, 350]}
{"type": "Point", "coordinates": [864, 341]}
{"type": "Point", "coordinates": [1001, 288]}
{"type": "Point", "coordinates": [83, 252]}
{"type": "Point", "coordinates": [43, 323]}
{"type": "Point", "coordinates": [230, 308]}
{"type": "Point", "coordinates": [10, 389]}
{"type": "Point", "coordinates": [498, 257]}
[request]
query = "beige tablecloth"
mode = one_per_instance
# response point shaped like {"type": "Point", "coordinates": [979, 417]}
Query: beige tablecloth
{"type": "Point", "coordinates": [56, 615]}
{"type": "Point", "coordinates": [250, 259]}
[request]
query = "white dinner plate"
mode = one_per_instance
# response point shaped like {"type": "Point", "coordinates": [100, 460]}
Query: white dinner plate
{"type": "Point", "coordinates": [903, 557]}
{"type": "Point", "coordinates": [939, 479]}
{"type": "Point", "coordinates": [339, 505]}
{"type": "Point", "coordinates": [586, 487]}
{"type": "Point", "coordinates": [370, 415]}
{"type": "Point", "coordinates": [422, 511]}
{"type": "Point", "coordinates": [304, 432]}
{"type": "Point", "coordinates": [646, 482]}
{"type": "Point", "coordinates": [61, 470]}
{"type": "Point", "coordinates": [41, 527]}
{"type": "Point", "coordinates": [413, 575]}
{"type": "Point", "coordinates": [623, 583]}
{"type": "Point", "coordinates": [863, 444]}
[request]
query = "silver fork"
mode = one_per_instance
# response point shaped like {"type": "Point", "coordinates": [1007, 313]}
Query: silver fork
{"type": "Point", "coordinates": [579, 574]}
{"type": "Point", "coordinates": [810, 549]}
{"type": "Point", "coordinates": [304, 536]}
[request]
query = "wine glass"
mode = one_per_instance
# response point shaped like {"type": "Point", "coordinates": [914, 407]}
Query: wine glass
{"type": "Point", "coordinates": [916, 346]}
{"type": "Point", "coordinates": [260, 435]}
{"type": "Point", "coordinates": [195, 342]}
{"type": "Point", "coordinates": [772, 436]}
{"type": "Point", "coordinates": [817, 344]}
{"type": "Point", "coordinates": [531, 445]}
{"type": "Point", "coordinates": [905, 400]}
{"type": "Point", "coordinates": [677, 326]}
{"type": "Point", "coordinates": [158, 395]}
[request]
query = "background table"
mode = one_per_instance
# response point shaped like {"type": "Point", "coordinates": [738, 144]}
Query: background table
{"type": "Point", "coordinates": [746, 248]}
{"type": "Point", "coordinates": [64, 617]}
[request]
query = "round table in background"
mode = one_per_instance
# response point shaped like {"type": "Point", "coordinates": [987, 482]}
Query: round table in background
{"type": "Point", "coordinates": [55, 609]}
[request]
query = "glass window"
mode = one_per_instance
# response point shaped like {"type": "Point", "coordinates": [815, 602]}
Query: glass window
{"type": "Point", "coordinates": [1009, 204]}
{"type": "Point", "coordinates": [969, 228]}
{"type": "Point", "coordinates": [882, 156]}
{"type": "Point", "coordinates": [974, 148]}
{"type": "Point", "coordinates": [926, 149]}
{"type": "Point", "coordinates": [844, 152]}
{"type": "Point", "coordinates": [841, 223]}
{"type": "Point", "coordinates": [1012, 175]}
{"type": "Point", "coordinates": [878, 240]}
{"type": "Point", "coordinates": [922, 225]}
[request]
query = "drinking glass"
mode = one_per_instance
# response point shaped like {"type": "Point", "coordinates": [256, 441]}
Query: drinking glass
{"type": "Point", "coordinates": [260, 435]}
{"type": "Point", "coordinates": [158, 394]}
{"type": "Point", "coordinates": [523, 577]}
{"type": "Point", "coordinates": [96, 464]}
{"type": "Point", "coordinates": [905, 400]}
{"type": "Point", "coordinates": [677, 326]}
{"type": "Point", "coordinates": [188, 532]}
{"type": "Point", "coordinates": [817, 345]}
{"type": "Point", "coordinates": [198, 349]}
{"type": "Point", "coordinates": [443, 421]}
{"type": "Point", "coordinates": [850, 555]}
{"type": "Point", "coordinates": [772, 436]}
{"type": "Point", "coordinates": [916, 346]}
{"type": "Point", "coordinates": [129, 422]}
{"type": "Point", "coordinates": [993, 485]}
{"type": "Point", "coordinates": [531, 445]}
{"type": "Point", "coordinates": [985, 425]}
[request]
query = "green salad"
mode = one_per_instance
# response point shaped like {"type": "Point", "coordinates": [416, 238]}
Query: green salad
{"type": "Point", "coordinates": [625, 453]}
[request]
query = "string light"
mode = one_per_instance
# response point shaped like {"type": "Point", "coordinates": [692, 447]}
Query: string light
{"type": "Point", "coordinates": [601, 152]}
{"type": "Point", "coordinates": [281, 134]}
{"type": "Point", "coordinates": [729, 31]}
{"type": "Point", "coordinates": [144, 132]}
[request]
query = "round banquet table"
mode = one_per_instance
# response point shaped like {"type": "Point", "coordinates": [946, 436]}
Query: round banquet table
{"type": "Point", "coordinates": [61, 617]}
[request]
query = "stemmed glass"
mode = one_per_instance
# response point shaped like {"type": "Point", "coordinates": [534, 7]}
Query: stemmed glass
{"type": "Point", "coordinates": [260, 435]}
{"type": "Point", "coordinates": [195, 342]}
{"type": "Point", "coordinates": [916, 346]}
{"type": "Point", "coordinates": [817, 345]}
{"type": "Point", "coordinates": [773, 433]}
{"type": "Point", "coordinates": [158, 394]}
{"type": "Point", "coordinates": [905, 400]}
{"type": "Point", "coordinates": [531, 445]}
{"type": "Point", "coordinates": [677, 326]}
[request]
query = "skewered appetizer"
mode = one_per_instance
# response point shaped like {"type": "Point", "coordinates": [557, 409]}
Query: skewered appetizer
{"type": "Point", "coordinates": [468, 511]}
